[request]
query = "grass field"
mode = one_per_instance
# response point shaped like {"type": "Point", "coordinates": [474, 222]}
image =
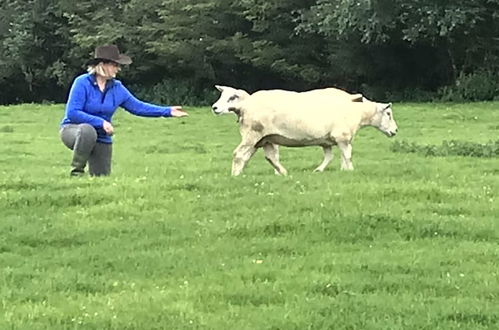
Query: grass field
{"type": "Point", "coordinates": [171, 241]}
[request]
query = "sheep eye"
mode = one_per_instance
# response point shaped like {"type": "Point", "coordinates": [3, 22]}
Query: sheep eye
{"type": "Point", "coordinates": [232, 98]}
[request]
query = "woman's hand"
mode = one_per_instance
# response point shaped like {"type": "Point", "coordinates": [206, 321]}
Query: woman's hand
{"type": "Point", "coordinates": [178, 112]}
{"type": "Point", "coordinates": [108, 128]}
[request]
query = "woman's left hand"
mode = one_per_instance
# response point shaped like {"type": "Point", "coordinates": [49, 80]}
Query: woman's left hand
{"type": "Point", "coordinates": [178, 112]}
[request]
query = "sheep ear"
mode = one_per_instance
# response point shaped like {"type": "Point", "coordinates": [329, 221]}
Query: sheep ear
{"type": "Point", "coordinates": [381, 107]}
{"type": "Point", "coordinates": [242, 93]}
{"type": "Point", "coordinates": [220, 88]}
{"type": "Point", "coordinates": [357, 98]}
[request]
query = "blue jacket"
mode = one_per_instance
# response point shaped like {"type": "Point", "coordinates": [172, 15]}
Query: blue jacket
{"type": "Point", "coordinates": [87, 104]}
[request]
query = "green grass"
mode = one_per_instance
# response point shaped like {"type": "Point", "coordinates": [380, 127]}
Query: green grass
{"type": "Point", "coordinates": [171, 241]}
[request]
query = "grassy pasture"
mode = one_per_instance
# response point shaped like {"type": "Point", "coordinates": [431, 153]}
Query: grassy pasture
{"type": "Point", "coordinates": [171, 241]}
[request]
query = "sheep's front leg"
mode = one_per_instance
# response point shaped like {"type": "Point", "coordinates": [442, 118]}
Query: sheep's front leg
{"type": "Point", "coordinates": [242, 154]}
{"type": "Point", "coordinates": [346, 155]}
{"type": "Point", "coordinates": [328, 156]}
{"type": "Point", "coordinates": [272, 155]}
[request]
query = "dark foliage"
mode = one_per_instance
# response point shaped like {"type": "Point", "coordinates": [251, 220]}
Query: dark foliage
{"type": "Point", "coordinates": [411, 50]}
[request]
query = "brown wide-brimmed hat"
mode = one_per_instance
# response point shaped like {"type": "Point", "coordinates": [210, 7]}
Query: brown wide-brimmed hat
{"type": "Point", "coordinates": [109, 53]}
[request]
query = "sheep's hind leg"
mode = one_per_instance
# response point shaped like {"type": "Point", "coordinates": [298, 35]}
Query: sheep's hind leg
{"type": "Point", "coordinates": [242, 154]}
{"type": "Point", "coordinates": [277, 157]}
{"type": "Point", "coordinates": [328, 156]}
{"type": "Point", "coordinates": [272, 155]}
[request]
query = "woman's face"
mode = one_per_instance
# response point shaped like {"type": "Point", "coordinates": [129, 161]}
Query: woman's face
{"type": "Point", "coordinates": [111, 69]}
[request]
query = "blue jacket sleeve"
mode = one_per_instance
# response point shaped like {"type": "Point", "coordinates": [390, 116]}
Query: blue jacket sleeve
{"type": "Point", "coordinates": [140, 108]}
{"type": "Point", "coordinates": [76, 103]}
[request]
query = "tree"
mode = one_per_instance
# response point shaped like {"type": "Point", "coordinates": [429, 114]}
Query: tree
{"type": "Point", "coordinates": [33, 44]}
{"type": "Point", "coordinates": [458, 36]}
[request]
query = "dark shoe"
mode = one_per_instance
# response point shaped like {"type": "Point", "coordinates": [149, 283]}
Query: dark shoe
{"type": "Point", "coordinates": [77, 172]}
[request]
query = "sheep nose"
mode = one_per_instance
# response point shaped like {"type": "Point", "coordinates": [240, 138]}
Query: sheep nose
{"type": "Point", "coordinates": [214, 108]}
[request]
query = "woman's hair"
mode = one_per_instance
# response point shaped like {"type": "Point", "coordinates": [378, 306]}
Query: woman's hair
{"type": "Point", "coordinates": [97, 69]}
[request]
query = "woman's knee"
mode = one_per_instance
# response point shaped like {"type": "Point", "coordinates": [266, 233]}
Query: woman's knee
{"type": "Point", "coordinates": [88, 132]}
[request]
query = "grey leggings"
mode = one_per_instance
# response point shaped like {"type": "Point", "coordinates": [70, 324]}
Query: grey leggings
{"type": "Point", "coordinates": [82, 139]}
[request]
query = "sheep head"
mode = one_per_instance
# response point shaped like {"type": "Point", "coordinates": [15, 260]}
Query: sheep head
{"type": "Point", "coordinates": [386, 122]}
{"type": "Point", "coordinates": [229, 98]}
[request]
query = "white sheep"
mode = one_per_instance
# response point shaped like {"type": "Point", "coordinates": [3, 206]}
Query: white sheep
{"type": "Point", "coordinates": [294, 120]}
{"type": "Point", "coordinates": [231, 95]}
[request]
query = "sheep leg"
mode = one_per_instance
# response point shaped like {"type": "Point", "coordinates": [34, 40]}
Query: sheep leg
{"type": "Point", "coordinates": [346, 155]}
{"type": "Point", "coordinates": [277, 157]}
{"type": "Point", "coordinates": [328, 156]}
{"type": "Point", "coordinates": [272, 155]}
{"type": "Point", "coordinates": [242, 154]}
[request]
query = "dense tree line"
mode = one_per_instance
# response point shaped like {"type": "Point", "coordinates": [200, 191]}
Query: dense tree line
{"type": "Point", "coordinates": [397, 49]}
